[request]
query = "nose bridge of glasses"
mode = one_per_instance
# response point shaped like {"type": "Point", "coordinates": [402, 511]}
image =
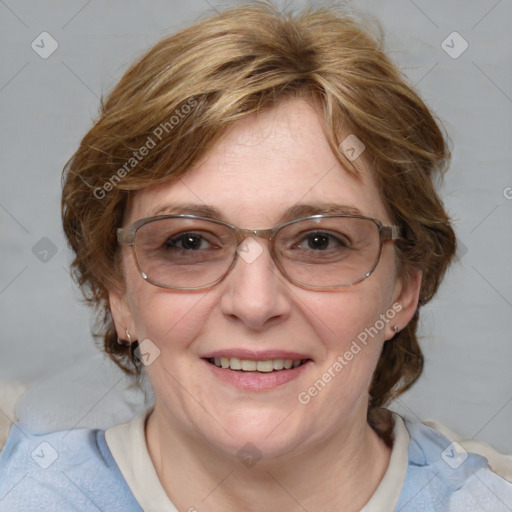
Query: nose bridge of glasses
{"type": "Point", "coordinates": [242, 234]}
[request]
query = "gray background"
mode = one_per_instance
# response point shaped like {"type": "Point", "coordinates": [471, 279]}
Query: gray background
{"type": "Point", "coordinates": [47, 105]}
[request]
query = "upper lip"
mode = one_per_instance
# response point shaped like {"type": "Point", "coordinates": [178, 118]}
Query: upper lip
{"type": "Point", "coordinates": [252, 355]}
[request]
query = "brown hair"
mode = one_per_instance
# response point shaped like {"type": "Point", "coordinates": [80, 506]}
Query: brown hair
{"type": "Point", "coordinates": [179, 98]}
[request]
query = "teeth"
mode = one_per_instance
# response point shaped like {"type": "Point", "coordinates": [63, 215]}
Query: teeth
{"type": "Point", "coordinates": [248, 365]}
{"type": "Point", "coordinates": [264, 366]}
{"type": "Point", "coordinates": [278, 364]}
{"type": "Point", "coordinates": [235, 363]}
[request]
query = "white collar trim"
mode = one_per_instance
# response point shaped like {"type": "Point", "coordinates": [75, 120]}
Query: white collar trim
{"type": "Point", "coordinates": [387, 494]}
{"type": "Point", "coordinates": [127, 443]}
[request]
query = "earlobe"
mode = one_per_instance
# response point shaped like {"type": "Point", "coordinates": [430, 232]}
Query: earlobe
{"type": "Point", "coordinates": [407, 293]}
{"type": "Point", "coordinates": [120, 311]}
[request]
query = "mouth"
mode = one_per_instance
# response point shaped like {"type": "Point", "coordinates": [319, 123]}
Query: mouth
{"type": "Point", "coordinates": [256, 366]}
{"type": "Point", "coordinates": [256, 371]}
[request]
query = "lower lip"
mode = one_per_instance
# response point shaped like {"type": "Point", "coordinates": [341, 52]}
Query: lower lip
{"type": "Point", "coordinates": [256, 381]}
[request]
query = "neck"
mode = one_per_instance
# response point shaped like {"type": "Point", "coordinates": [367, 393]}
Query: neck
{"type": "Point", "coordinates": [341, 473]}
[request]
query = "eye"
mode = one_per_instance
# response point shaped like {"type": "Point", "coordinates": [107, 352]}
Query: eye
{"type": "Point", "coordinates": [188, 242]}
{"type": "Point", "coordinates": [323, 241]}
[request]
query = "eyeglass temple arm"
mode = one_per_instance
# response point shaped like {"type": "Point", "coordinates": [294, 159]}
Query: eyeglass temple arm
{"type": "Point", "coordinates": [125, 235]}
{"type": "Point", "coordinates": [390, 232]}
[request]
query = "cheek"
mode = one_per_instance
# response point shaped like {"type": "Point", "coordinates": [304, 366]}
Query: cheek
{"type": "Point", "coordinates": [342, 317]}
{"type": "Point", "coordinates": [168, 318]}
{"type": "Point", "coordinates": [164, 316]}
{"type": "Point", "coordinates": [351, 325]}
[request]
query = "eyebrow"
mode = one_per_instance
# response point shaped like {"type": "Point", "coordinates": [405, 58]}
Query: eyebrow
{"type": "Point", "coordinates": [307, 209]}
{"type": "Point", "coordinates": [202, 210]}
{"type": "Point", "coordinates": [294, 212]}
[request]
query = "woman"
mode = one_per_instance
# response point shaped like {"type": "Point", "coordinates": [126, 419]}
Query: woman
{"type": "Point", "coordinates": [254, 217]}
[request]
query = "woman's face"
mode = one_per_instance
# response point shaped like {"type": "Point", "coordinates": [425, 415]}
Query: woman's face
{"type": "Point", "coordinates": [265, 165]}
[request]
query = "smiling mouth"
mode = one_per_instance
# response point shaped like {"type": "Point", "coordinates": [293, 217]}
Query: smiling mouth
{"type": "Point", "coordinates": [264, 366]}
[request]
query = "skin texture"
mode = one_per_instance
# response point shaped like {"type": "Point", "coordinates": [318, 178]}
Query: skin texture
{"type": "Point", "coordinates": [262, 166]}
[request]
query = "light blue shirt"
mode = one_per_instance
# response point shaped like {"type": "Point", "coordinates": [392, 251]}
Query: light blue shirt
{"type": "Point", "coordinates": [74, 470]}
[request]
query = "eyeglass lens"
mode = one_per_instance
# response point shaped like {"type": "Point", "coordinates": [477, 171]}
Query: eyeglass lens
{"type": "Point", "coordinates": [317, 252]}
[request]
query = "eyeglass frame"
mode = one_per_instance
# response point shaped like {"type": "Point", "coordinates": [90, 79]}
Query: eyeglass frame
{"type": "Point", "coordinates": [127, 236]}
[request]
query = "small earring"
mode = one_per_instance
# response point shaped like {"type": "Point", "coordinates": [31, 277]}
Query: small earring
{"type": "Point", "coordinates": [125, 343]}
{"type": "Point", "coordinates": [395, 329]}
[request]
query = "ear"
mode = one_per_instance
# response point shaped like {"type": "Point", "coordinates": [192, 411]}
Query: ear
{"type": "Point", "coordinates": [121, 313]}
{"type": "Point", "coordinates": [406, 297]}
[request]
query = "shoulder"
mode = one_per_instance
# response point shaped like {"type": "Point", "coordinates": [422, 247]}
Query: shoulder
{"type": "Point", "coordinates": [61, 471]}
{"type": "Point", "coordinates": [443, 476]}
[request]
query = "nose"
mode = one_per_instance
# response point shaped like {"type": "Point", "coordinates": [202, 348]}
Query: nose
{"type": "Point", "coordinates": [255, 292]}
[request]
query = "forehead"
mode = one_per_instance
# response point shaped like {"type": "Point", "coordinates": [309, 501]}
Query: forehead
{"type": "Point", "coordinates": [264, 165]}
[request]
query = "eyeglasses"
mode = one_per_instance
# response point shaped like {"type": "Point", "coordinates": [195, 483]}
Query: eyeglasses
{"type": "Point", "coordinates": [320, 252]}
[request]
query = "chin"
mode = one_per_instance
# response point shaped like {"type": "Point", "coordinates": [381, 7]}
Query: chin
{"type": "Point", "coordinates": [269, 434]}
